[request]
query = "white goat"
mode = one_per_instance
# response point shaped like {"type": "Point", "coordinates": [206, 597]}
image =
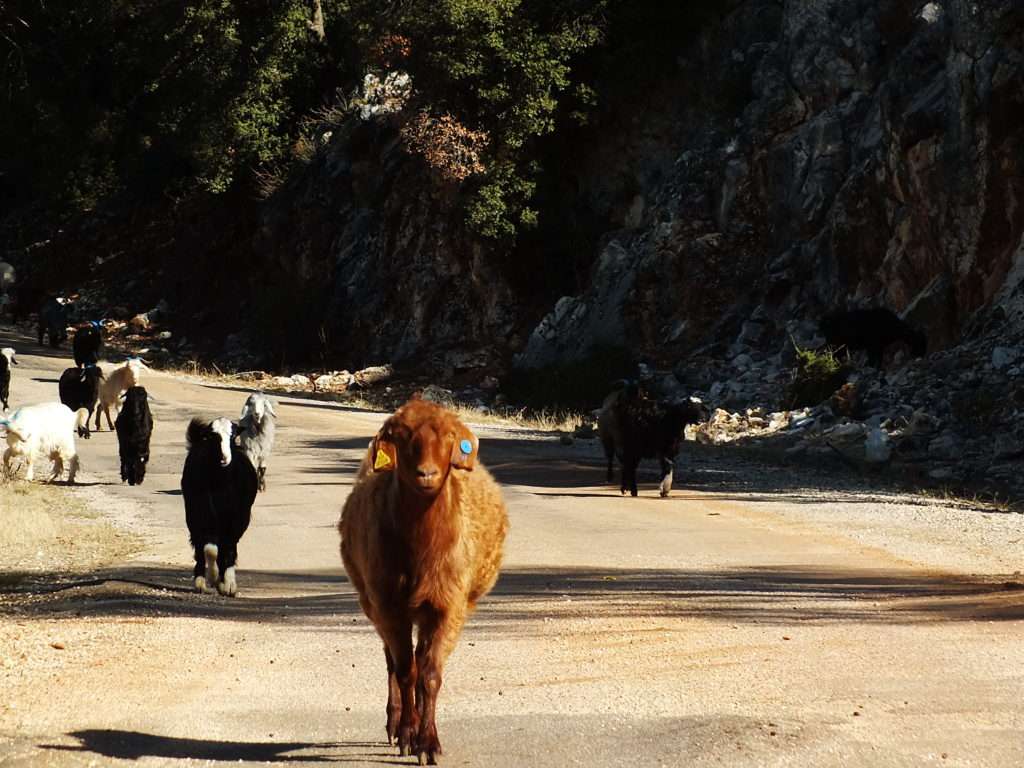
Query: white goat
{"type": "Point", "coordinates": [256, 436]}
{"type": "Point", "coordinates": [48, 428]}
{"type": "Point", "coordinates": [115, 385]}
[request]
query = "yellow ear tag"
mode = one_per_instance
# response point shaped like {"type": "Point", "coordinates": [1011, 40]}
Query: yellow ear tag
{"type": "Point", "coordinates": [382, 460]}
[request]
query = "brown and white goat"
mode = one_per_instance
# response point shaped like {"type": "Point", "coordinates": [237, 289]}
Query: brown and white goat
{"type": "Point", "coordinates": [421, 538]}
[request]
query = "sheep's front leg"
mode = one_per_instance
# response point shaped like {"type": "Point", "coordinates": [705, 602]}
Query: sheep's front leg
{"type": "Point", "coordinates": [397, 636]}
{"type": "Point", "coordinates": [437, 637]}
{"type": "Point", "coordinates": [667, 468]}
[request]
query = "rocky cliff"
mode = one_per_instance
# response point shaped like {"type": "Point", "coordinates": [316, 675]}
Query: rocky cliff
{"type": "Point", "coordinates": [814, 155]}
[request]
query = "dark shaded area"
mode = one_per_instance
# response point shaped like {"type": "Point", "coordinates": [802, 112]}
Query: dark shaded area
{"type": "Point", "coordinates": [784, 595]}
{"type": "Point", "coordinates": [133, 745]}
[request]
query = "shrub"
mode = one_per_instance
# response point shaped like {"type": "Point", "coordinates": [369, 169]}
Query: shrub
{"type": "Point", "coordinates": [816, 377]}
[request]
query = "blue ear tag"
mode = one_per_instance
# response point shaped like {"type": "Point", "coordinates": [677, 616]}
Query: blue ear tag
{"type": "Point", "coordinates": [466, 446]}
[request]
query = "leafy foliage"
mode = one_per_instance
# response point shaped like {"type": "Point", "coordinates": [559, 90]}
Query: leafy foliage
{"type": "Point", "coordinates": [155, 98]}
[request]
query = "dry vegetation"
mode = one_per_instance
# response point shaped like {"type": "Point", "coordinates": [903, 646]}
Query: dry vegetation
{"type": "Point", "coordinates": [387, 398]}
{"type": "Point", "coordinates": [45, 529]}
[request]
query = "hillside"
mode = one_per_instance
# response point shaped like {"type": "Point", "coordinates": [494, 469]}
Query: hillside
{"type": "Point", "coordinates": [488, 189]}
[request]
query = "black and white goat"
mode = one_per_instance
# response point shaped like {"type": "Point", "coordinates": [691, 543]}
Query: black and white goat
{"type": "Point", "coordinates": [53, 321]}
{"type": "Point", "coordinates": [7, 359]}
{"type": "Point", "coordinates": [632, 427]}
{"type": "Point", "coordinates": [134, 427]}
{"type": "Point", "coordinates": [219, 487]}
{"type": "Point", "coordinates": [80, 388]}
{"type": "Point", "coordinates": [88, 344]}
{"type": "Point", "coordinates": [256, 437]}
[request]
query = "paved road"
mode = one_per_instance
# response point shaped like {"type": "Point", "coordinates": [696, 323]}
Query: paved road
{"type": "Point", "coordinates": [746, 621]}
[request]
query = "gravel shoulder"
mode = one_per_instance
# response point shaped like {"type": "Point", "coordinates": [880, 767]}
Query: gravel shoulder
{"type": "Point", "coordinates": [761, 616]}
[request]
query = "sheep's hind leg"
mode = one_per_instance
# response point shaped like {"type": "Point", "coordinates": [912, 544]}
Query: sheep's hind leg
{"type": "Point", "coordinates": [393, 710]}
{"type": "Point", "coordinates": [262, 485]}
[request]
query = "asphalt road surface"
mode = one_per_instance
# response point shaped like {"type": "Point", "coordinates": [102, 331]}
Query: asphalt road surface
{"type": "Point", "coordinates": [758, 617]}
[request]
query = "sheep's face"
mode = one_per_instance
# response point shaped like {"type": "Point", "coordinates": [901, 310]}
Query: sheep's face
{"type": "Point", "coordinates": [257, 408]}
{"type": "Point", "coordinates": [421, 442]}
{"type": "Point", "coordinates": [222, 430]}
{"type": "Point", "coordinates": [134, 365]}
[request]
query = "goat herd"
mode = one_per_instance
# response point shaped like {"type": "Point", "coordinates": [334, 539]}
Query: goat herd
{"type": "Point", "coordinates": [422, 531]}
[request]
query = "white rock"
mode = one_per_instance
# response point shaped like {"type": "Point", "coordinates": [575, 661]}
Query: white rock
{"type": "Point", "coordinates": [931, 13]}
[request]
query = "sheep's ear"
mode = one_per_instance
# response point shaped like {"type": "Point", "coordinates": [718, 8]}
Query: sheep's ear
{"type": "Point", "coordinates": [465, 448]}
{"type": "Point", "coordinates": [385, 457]}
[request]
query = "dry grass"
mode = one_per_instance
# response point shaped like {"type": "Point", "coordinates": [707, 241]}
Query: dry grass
{"type": "Point", "coordinates": [45, 528]}
{"type": "Point", "coordinates": [383, 400]}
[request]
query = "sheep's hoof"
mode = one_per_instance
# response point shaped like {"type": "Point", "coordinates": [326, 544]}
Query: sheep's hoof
{"type": "Point", "coordinates": [200, 584]}
{"type": "Point", "coordinates": [664, 493]}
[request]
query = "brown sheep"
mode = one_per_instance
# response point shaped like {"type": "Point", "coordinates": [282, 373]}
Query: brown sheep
{"type": "Point", "coordinates": [421, 538]}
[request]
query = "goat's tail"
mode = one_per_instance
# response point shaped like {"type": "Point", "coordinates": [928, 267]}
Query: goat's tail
{"type": "Point", "coordinates": [82, 419]}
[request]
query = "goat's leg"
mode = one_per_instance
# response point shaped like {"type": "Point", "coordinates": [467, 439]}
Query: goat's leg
{"type": "Point", "coordinates": [7, 461]}
{"type": "Point", "coordinates": [437, 637]}
{"type": "Point", "coordinates": [58, 466]}
{"type": "Point", "coordinates": [629, 467]}
{"type": "Point", "coordinates": [397, 635]}
{"type": "Point", "coordinates": [262, 473]}
{"type": "Point", "coordinates": [99, 412]}
{"type": "Point", "coordinates": [199, 572]}
{"type": "Point", "coordinates": [110, 424]}
{"type": "Point", "coordinates": [609, 452]}
{"type": "Point", "coordinates": [667, 468]}
{"type": "Point", "coordinates": [394, 706]}
{"type": "Point", "coordinates": [227, 556]}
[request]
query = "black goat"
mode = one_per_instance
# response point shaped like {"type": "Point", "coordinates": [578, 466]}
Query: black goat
{"type": "Point", "coordinates": [219, 487]}
{"type": "Point", "coordinates": [80, 388]}
{"type": "Point", "coordinates": [53, 322]}
{"type": "Point", "coordinates": [134, 427]}
{"type": "Point", "coordinates": [88, 344]}
{"type": "Point", "coordinates": [633, 427]}
{"type": "Point", "coordinates": [873, 330]}
{"type": "Point", "coordinates": [7, 359]}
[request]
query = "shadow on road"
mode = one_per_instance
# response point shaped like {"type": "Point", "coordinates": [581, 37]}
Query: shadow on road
{"type": "Point", "coordinates": [772, 596]}
{"type": "Point", "coordinates": [132, 745]}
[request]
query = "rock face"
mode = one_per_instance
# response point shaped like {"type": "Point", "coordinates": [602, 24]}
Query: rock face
{"type": "Point", "coordinates": [868, 155]}
{"type": "Point", "coordinates": [383, 270]}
